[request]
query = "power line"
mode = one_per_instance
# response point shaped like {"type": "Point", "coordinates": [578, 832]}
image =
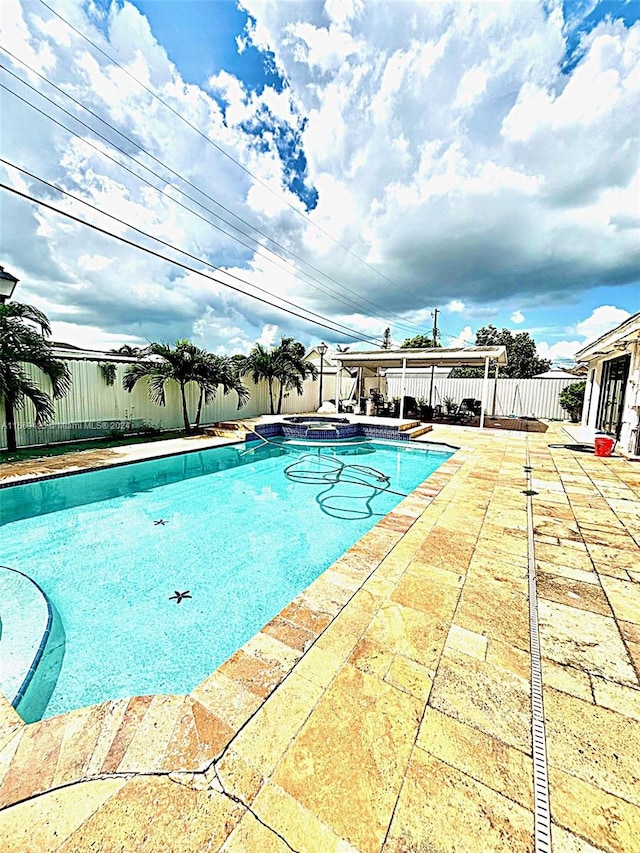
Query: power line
{"type": "Point", "coordinates": [341, 326]}
{"type": "Point", "coordinates": [161, 191]}
{"type": "Point", "coordinates": [222, 151]}
{"type": "Point", "coordinates": [181, 265]}
{"type": "Point", "coordinates": [322, 287]}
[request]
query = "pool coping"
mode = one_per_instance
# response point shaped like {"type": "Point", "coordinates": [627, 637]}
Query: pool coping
{"type": "Point", "coordinates": [272, 653]}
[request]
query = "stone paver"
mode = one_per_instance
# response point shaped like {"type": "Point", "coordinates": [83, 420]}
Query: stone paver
{"type": "Point", "coordinates": [388, 706]}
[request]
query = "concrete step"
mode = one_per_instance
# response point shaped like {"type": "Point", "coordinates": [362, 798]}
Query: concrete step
{"type": "Point", "coordinates": [225, 433]}
{"type": "Point", "coordinates": [421, 429]}
{"type": "Point", "coordinates": [227, 429]}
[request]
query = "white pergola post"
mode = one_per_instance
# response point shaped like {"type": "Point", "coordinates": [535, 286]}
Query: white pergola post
{"type": "Point", "coordinates": [338, 385]}
{"type": "Point", "coordinates": [485, 388]}
{"type": "Point", "coordinates": [403, 387]}
{"type": "Point", "coordinates": [495, 392]}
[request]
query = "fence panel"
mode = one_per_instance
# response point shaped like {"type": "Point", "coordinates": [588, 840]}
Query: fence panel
{"type": "Point", "coordinates": [521, 397]}
{"type": "Point", "coordinates": [92, 408]}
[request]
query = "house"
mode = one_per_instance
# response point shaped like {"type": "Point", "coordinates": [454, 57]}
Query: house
{"type": "Point", "coordinates": [612, 394]}
{"type": "Point", "coordinates": [556, 373]}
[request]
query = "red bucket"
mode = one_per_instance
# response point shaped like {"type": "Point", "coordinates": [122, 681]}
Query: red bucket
{"type": "Point", "coordinates": [604, 445]}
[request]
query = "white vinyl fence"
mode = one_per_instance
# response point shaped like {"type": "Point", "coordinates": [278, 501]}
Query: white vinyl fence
{"type": "Point", "coordinates": [92, 408]}
{"type": "Point", "coordinates": [537, 398]}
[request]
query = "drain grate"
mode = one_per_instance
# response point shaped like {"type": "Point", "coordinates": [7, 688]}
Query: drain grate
{"type": "Point", "coordinates": [542, 811]}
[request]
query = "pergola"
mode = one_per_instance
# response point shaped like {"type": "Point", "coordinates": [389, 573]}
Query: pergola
{"type": "Point", "coordinates": [431, 357]}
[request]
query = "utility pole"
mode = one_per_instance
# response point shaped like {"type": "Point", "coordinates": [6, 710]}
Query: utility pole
{"type": "Point", "coordinates": [434, 339]}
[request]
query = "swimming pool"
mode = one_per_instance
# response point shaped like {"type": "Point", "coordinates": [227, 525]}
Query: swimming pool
{"type": "Point", "coordinates": [241, 529]}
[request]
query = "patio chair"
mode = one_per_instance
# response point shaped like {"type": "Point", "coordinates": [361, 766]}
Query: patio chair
{"type": "Point", "coordinates": [467, 411]}
{"type": "Point", "coordinates": [411, 408]}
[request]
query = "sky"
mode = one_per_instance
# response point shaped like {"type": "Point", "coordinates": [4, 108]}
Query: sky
{"type": "Point", "coordinates": [357, 163]}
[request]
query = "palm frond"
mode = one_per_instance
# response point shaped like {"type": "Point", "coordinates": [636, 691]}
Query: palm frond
{"type": "Point", "coordinates": [134, 373]}
{"type": "Point", "coordinates": [42, 402]}
{"type": "Point", "coordinates": [57, 371]}
{"type": "Point", "coordinates": [157, 381]}
{"type": "Point", "coordinates": [20, 311]}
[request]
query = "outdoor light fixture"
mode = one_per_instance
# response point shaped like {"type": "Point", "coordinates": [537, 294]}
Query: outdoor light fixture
{"type": "Point", "coordinates": [7, 285]}
{"type": "Point", "coordinates": [322, 348]}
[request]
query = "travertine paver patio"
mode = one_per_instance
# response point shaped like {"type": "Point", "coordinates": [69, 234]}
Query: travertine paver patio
{"type": "Point", "coordinates": [388, 707]}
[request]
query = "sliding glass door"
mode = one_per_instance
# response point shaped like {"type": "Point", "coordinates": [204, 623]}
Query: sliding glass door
{"type": "Point", "coordinates": [614, 382]}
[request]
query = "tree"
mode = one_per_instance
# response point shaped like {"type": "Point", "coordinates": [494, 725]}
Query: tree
{"type": "Point", "coordinates": [184, 364]}
{"type": "Point", "coordinates": [260, 364]}
{"type": "Point", "coordinates": [22, 341]}
{"type": "Point", "coordinates": [572, 398]}
{"type": "Point", "coordinates": [386, 339]}
{"type": "Point", "coordinates": [294, 368]}
{"type": "Point", "coordinates": [523, 361]}
{"type": "Point", "coordinates": [419, 342]}
{"type": "Point", "coordinates": [210, 372]}
{"type": "Point", "coordinates": [284, 367]}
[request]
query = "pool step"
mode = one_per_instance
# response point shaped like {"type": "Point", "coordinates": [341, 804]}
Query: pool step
{"type": "Point", "coordinates": [407, 425]}
{"type": "Point", "coordinates": [416, 431]}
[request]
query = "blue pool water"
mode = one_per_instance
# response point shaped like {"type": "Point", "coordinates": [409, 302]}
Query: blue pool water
{"type": "Point", "coordinates": [244, 531]}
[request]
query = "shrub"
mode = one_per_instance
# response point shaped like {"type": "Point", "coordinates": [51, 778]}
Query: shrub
{"type": "Point", "coordinates": [113, 434]}
{"type": "Point", "coordinates": [571, 399]}
{"type": "Point", "coordinates": [148, 429]}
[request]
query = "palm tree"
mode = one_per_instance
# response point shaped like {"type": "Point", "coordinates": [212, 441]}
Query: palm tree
{"type": "Point", "coordinates": [284, 364]}
{"type": "Point", "coordinates": [293, 368]}
{"type": "Point", "coordinates": [20, 344]}
{"type": "Point", "coordinates": [185, 363]}
{"type": "Point", "coordinates": [212, 371]}
{"type": "Point", "coordinates": [261, 363]}
{"type": "Point", "coordinates": [127, 349]}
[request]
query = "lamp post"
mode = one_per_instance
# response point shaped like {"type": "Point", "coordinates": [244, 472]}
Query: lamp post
{"type": "Point", "coordinates": [7, 285]}
{"type": "Point", "coordinates": [322, 348]}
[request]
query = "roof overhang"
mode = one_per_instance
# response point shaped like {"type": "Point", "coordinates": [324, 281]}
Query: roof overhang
{"type": "Point", "coordinates": [75, 354]}
{"type": "Point", "coordinates": [435, 356]}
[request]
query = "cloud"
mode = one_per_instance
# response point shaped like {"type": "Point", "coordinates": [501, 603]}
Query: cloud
{"type": "Point", "coordinates": [89, 337]}
{"type": "Point", "coordinates": [268, 336]}
{"type": "Point", "coordinates": [601, 320]}
{"type": "Point", "coordinates": [560, 352]}
{"type": "Point", "coordinates": [470, 195]}
{"type": "Point", "coordinates": [464, 339]}
{"type": "Point", "coordinates": [431, 148]}
{"type": "Point", "coordinates": [517, 317]}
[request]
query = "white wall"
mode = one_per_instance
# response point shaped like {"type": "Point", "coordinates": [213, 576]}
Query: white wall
{"type": "Point", "coordinates": [628, 441]}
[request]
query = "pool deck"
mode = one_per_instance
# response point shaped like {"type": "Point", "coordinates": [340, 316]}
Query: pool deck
{"type": "Point", "coordinates": [388, 708]}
